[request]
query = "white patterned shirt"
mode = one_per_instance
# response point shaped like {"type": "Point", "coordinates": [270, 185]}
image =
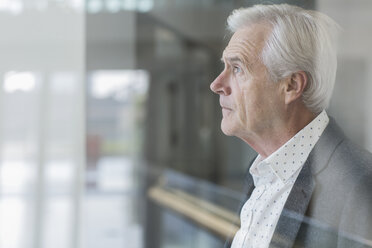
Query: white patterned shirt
{"type": "Point", "coordinates": [273, 179]}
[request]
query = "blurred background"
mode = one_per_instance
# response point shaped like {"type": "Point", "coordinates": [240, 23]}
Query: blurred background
{"type": "Point", "coordinates": [109, 134]}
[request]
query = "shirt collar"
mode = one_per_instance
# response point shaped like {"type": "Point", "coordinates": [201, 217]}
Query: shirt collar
{"type": "Point", "coordinates": [290, 157]}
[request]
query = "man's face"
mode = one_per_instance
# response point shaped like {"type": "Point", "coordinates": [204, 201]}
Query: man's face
{"type": "Point", "coordinates": [249, 100]}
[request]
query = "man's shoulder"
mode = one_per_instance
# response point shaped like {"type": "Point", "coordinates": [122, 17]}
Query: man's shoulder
{"type": "Point", "coordinates": [342, 171]}
{"type": "Point", "coordinates": [335, 148]}
{"type": "Point", "coordinates": [353, 155]}
{"type": "Point", "coordinates": [340, 167]}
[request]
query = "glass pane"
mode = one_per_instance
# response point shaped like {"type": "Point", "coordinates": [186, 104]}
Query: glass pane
{"type": "Point", "coordinates": [42, 119]}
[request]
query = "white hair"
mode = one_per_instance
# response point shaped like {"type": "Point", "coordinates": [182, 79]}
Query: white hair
{"type": "Point", "coordinates": [300, 40]}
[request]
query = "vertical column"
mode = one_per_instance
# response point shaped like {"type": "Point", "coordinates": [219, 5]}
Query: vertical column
{"type": "Point", "coordinates": [368, 104]}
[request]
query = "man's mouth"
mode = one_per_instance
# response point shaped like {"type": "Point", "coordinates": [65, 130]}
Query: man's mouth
{"type": "Point", "coordinates": [226, 111]}
{"type": "Point", "coordinates": [226, 108]}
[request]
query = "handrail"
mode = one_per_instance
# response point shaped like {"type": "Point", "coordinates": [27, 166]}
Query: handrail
{"type": "Point", "coordinates": [216, 219]}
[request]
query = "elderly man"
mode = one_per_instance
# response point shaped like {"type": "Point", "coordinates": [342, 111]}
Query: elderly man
{"type": "Point", "coordinates": [309, 185]}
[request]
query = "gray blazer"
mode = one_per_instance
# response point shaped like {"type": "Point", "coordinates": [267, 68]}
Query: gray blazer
{"type": "Point", "coordinates": [330, 204]}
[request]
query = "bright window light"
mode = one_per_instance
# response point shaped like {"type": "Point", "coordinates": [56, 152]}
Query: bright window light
{"type": "Point", "coordinates": [113, 6]}
{"type": "Point", "coordinates": [15, 176]}
{"type": "Point", "coordinates": [12, 215]}
{"type": "Point", "coordinates": [119, 84]}
{"type": "Point", "coordinates": [145, 5]}
{"type": "Point", "coordinates": [77, 4]}
{"type": "Point", "coordinates": [19, 81]}
{"type": "Point", "coordinates": [94, 6]}
{"type": "Point", "coordinates": [12, 6]}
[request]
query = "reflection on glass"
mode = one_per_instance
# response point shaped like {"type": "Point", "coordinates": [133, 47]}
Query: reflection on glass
{"type": "Point", "coordinates": [11, 6]}
{"type": "Point", "coordinates": [178, 43]}
{"type": "Point", "coordinates": [38, 165]}
{"type": "Point", "coordinates": [119, 84]}
{"type": "Point", "coordinates": [18, 7]}
{"type": "Point", "coordinates": [114, 6]}
{"type": "Point", "coordinates": [16, 177]}
{"type": "Point", "coordinates": [22, 81]}
{"type": "Point", "coordinates": [12, 216]}
{"type": "Point", "coordinates": [115, 127]}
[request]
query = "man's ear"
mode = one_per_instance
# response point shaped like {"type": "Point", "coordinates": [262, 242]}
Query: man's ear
{"type": "Point", "coordinates": [295, 86]}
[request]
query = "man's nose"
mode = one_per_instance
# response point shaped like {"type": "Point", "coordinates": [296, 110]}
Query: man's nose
{"type": "Point", "coordinates": [220, 85]}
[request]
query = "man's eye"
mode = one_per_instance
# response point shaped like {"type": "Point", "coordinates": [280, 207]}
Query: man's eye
{"type": "Point", "coordinates": [236, 69]}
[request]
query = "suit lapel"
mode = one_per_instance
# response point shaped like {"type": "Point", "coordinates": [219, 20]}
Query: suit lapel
{"type": "Point", "coordinates": [298, 200]}
{"type": "Point", "coordinates": [294, 209]}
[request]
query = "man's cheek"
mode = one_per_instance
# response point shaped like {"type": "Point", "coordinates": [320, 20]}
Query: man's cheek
{"type": "Point", "coordinates": [242, 106]}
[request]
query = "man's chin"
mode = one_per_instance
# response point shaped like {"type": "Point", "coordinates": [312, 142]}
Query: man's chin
{"type": "Point", "coordinates": [227, 129]}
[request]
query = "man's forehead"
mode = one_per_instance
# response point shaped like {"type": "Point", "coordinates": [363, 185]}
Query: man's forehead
{"type": "Point", "coordinates": [239, 50]}
{"type": "Point", "coordinates": [246, 41]}
{"type": "Point", "coordinates": [237, 46]}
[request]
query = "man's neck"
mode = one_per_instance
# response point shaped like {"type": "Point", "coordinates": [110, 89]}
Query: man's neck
{"type": "Point", "coordinates": [268, 142]}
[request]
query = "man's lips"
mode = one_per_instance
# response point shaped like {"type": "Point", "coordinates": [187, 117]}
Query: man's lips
{"type": "Point", "coordinates": [223, 107]}
{"type": "Point", "coordinates": [226, 111]}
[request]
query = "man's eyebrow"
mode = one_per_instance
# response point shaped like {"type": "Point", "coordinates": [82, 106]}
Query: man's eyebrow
{"type": "Point", "coordinates": [232, 59]}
